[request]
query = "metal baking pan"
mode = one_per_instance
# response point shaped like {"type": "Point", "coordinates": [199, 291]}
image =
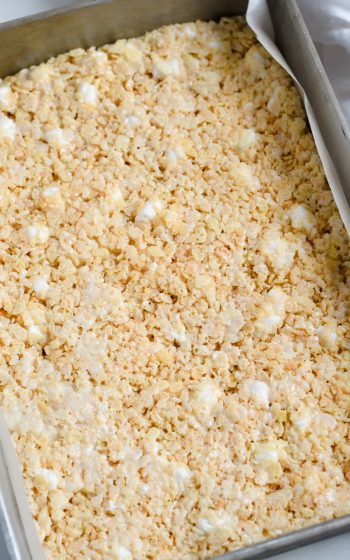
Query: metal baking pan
{"type": "Point", "coordinates": [34, 39]}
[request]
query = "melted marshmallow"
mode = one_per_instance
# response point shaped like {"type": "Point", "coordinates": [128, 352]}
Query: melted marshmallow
{"type": "Point", "coordinates": [7, 128]}
{"type": "Point", "coordinates": [49, 476]}
{"type": "Point", "coordinates": [163, 68]}
{"type": "Point", "coordinates": [40, 286]}
{"type": "Point", "coordinates": [5, 98]}
{"type": "Point", "coordinates": [56, 137]}
{"type": "Point", "coordinates": [301, 218]}
{"type": "Point", "coordinates": [37, 233]}
{"type": "Point", "coordinates": [260, 393]}
{"type": "Point", "coordinates": [148, 211]}
{"type": "Point", "coordinates": [204, 525]}
{"type": "Point", "coordinates": [266, 453]}
{"type": "Point", "coordinates": [121, 553]}
{"type": "Point", "coordinates": [87, 94]}
{"type": "Point", "coordinates": [181, 474]}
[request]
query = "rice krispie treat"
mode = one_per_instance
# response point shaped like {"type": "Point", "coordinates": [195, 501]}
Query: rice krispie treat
{"type": "Point", "coordinates": [174, 299]}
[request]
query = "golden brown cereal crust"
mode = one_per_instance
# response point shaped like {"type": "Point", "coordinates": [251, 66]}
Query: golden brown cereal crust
{"type": "Point", "coordinates": [174, 290]}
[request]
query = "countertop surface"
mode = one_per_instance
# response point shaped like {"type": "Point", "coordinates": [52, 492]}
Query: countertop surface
{"type": "Point", "coordinates": [337, 548]}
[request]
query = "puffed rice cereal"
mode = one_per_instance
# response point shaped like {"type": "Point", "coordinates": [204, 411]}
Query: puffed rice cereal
{"type": "Point", "coordinates": [174, 291]}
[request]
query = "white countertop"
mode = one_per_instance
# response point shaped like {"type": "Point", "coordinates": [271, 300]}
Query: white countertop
{"type": "Point", "coordinates": [337, 548]}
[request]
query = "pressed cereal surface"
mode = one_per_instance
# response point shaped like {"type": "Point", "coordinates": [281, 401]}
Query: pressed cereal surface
{"type": "Point", "coordinates": [174, 290]}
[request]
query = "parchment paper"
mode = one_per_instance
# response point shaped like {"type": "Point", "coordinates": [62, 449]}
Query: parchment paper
{"type": "Point", "coordinates": [15, 503]}
{"type": "Point", "coordinates": [258, 19]}
{"type": "Point", "coordinates": [329, 26]}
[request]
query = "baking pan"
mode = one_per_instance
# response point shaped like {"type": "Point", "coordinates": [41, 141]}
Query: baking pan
{"type": "Point", "coordinates": [34, 39]}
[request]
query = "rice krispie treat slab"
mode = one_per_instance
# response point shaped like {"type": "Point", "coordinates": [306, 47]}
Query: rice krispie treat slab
{"type": "Point", "coordinates": [174, 299]}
